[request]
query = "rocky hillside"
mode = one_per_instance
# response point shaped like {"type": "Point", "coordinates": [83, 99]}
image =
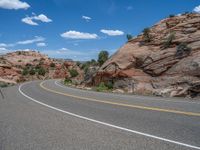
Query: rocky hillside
{"type": "Point", "coordinates": [30, 65]}
{"type": "Point", "coordinates": [163, 60]}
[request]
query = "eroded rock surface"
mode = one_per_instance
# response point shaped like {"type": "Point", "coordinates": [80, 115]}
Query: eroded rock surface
{"type": "Point", "coordinates": [151, 67]}
{"type": "Point", "coordinates": [13, 64]}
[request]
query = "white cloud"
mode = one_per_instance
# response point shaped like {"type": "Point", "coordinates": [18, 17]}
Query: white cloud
{"type": "Point", "coordinates": [79, 55]}
{"type": "Point", "coordinates": [78, 35]}
{"type": "Point", "coordinates": [6, 45]}
{"type": "Point", "coordinates": [3, 49]}
{"type": "Point", "coordinates": [42, 18]}
{"type": "Point", "coordinates": [3, 45]}
{"type": "Point", "coordinates": [197, 9]}
{"type": "Point", "coordinates": [41, 44]}
{"type": "Point", "coordinates": [31, 20]}
{"type": "Point", "coordinates": [112, 32]}
{"type": "Point", "coordinates": [13, 4]}
{"type": "Point", "coordinates": [28, 20]}
{"type": "Point", "coordinates": [30, 41]}
{"type": "Point", "coordinates": [36, 39]}
{"type": "Point", "coordinates": [86, 18]}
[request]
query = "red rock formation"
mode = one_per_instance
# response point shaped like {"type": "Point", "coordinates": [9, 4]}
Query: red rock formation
{"type": "Point", "coordinates": [12, 65]}
{"type": "Point", "coordinates": [150, 66]}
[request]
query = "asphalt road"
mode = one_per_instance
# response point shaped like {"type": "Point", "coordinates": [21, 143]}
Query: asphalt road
{"type": "Point", "coordinates": [49, 116]}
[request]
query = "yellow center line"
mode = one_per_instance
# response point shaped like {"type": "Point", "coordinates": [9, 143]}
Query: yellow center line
{"type": "Point", "coordinates": [121, 104]}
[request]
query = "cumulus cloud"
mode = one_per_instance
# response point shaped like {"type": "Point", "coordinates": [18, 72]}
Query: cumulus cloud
{"type": "Point", "coordinates": [78, 35]}
{"type": "Point", "coordinates": [28, 20]}
{"type": "Point", "coordinates": [81, 55]}
{"type": "Point", "coordinates": [3, 45]}
{"type": "Point", "coordinates": [197, 9]}
{"type": "Point", "coordinates": [41, 44]}
{"type": "Point", "coordinates": [32, 20]}
{"type": "Point", "coordinates": [13, 4]}
{"type": "Point", "coordinates": [42, 18]}
{"type": "Point", "coordinates": [35, 40]}
{"type": "Point", "coordinates": [112, 32]}
{"type": "Point", "coordinates": [6, 45]}
{"type": "Point", "coordinates": [86, 18]}
{"type": "Point", "coordinates": [75, 54]}
{"type": "Point", "coordinates": [2, 49]}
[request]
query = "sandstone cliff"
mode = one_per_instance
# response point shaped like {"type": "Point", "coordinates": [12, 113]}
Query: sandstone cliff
{"type": "Point", "coordinates": [167, 63]}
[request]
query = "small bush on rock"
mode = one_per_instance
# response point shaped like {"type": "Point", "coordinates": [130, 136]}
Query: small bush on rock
{"type": "Point", "coordinates": [146, 35]}
{"type": "Point", "coordinates": [169, 40]}
{"type": "Point", "coordinates": [182, 50]}
{"type": "Point", "coordinates": [171, 15]}
{"type": "Point", "coordinates": [25, 72]}
{"type": "Point", "coordinates": [32, 72]}
{"type": "Point", "coordinates": [129, 37]}
{"type": "Point", "coordinates": [41, 71]}
{"type": "Point", "coordinates": [52, 65]}
{"type": "Point", "coordinates": [78, 63]}
{"type": "Point", "coordinates": [73, 73]}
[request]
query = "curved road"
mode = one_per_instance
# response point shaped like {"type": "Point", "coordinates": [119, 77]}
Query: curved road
{"type": "Point", "coordinates": [45, 115]}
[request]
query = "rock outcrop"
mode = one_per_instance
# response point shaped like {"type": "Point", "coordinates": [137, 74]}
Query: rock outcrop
{"type": "Point", "coordinates": [14, 67]}
{"type": "Point", "coordinates": [167, 64]}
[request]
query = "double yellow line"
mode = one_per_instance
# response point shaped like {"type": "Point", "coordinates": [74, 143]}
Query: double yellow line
{"type": "Point", "coordinates": [121, 104]}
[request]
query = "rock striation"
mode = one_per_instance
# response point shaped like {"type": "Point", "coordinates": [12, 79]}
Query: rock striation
{"type": "Point", "coordinates": [168, 64]}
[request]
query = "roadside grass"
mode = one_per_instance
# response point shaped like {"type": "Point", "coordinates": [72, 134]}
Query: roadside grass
{"type": "Point", "coordinates": [103, 87]}
{"type": "Point", "coordinates": [4, 85]}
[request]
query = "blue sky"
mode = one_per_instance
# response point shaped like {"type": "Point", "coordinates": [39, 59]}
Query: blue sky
{"type": "Point", "coordinates": [79, 29]}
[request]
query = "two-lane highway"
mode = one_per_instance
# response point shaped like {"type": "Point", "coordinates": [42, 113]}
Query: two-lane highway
{"type": "Point", "coordinates": [48, 115]}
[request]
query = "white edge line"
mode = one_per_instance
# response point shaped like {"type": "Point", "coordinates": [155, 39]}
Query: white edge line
{"type": "Point", "coordinates": [175, 101]}
{"type": "Point", "coordinates": [104, 123]}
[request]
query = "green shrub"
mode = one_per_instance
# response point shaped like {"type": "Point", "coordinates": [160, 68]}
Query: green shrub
{"type": "Point", "coordinates": [52, 65]}
{"type": "Point", "coordinates": [78, 63]}
{"type": "Point", "coordinates": [37, 67]}
{"type": "Point", "coordinates": [182, 49]}
{"type": "Point", "coordinates": [19, 52]}
{"type": "Point", "coordinates": [25, 72]}
{"type": "Point", "coordinates": [3, 85]}
{"type": "Point", "coordinates": [73, 73]}
{"type": "Point", "coordinates": [19, 60]}
{"type": "Point", "coordinates": [93, 62]}
{"type": "Point", "coordinates": [41, 71]}
{"type": "Point", "coordinates": [171, 15]}
{"type": "Point", "coordinates": [109, 85]}
{"type": "Point", "coordinates": [101, 87]}
{"type": "Point", "coordinates": [32, 72]}
{"type": "Point", "coordinates": [169, 40]}
{"type": "Point", "coordinates": [67, 81]}
{"type": "Point", "coordinates": [28, 65]}
{"type": "Point", "coordinates": [41, 63]}
{"type": "Point", "coordinates": [129, 37]}
{"type": "Point", "coordinates": [146, 35]}
{"type": "Point", "coordinates": [102, 57]}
